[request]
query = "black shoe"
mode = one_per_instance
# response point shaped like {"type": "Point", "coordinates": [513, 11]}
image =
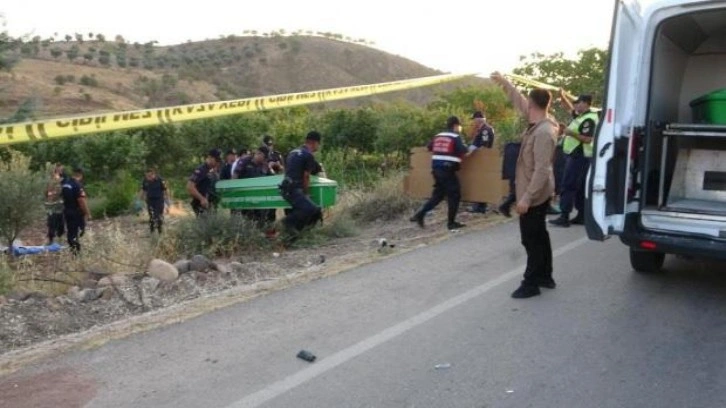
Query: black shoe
{"type": "Point", "coordinates": [553, 211]}
{"type": "Point", "coordinates": [548, 284]}
{"type": "Point", "coordinates": [563, 222]}
{"type": "Point", "coordinates": [505, 211]}
{"type": "Point", "coordinates": [418, 219]}
{"type": "Point", "coordinates": [524, 292]}
{"type": "Point", "coordinates": [578, 220]}
{"type": "Point", "coordinates": [455, 226]}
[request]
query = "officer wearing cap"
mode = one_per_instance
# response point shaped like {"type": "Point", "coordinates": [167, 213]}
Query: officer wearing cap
{"type": "Point", "coordinates": [201, 183]}
{"type": "Point", "coordinates": [295, 187]}
{"type": "Point", "coordinates": [577, 147]}
{"type": "Point", "coordinates": [448, 151]}
{"type": "Point", "coordinates": [75, 208]}
{"type": "Point", "coordinates": [274, 158]}
{"type": "Point", "coordinates": [482, 136]}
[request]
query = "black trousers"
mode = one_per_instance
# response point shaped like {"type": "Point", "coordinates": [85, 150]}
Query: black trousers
{"type": "Point", "coordinates": [446, 185]}
{"type": "Point", "coordinates": [558, 168]}
{"type": "Point", "coordinates": [56, 226]}
{"type": "Point", "coordinates": [304, 212]}
{"type": "Point", "coordinates": [199, 210]}
{"type": "Point", "coordinates": [76, 224]}
{"type": "Point", "coordinates": [512, 196]}
{"type": "Point", "coordinates": [156, 213]}
{"type": "Point", "coordinates": [573, 185]}
{"type": "Point", "coordinates": [536, 241]}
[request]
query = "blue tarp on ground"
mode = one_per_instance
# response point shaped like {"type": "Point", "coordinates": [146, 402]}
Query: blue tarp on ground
{"type": "Point", "coordinates": [33, 250]}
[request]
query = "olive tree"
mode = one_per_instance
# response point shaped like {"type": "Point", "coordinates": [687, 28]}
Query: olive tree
{"type": "Point", "coordinates": [21, 203]}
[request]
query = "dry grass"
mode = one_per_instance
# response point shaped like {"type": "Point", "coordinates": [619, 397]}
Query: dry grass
{"type": "Point", "coordinates": [383, 202]}
{"type": "Point", "coordinates": [107, 248]}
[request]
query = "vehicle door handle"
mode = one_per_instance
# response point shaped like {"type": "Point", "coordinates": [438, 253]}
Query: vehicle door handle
{"type": "Point", "coordinates": [605, 148]}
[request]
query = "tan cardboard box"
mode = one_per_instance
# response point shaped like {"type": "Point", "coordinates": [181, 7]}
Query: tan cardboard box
{"type": "Point", "coordinates": [480, 176]}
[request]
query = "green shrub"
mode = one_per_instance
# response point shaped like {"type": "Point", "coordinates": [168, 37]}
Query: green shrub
{"type": "Point", "coordinates": [215, 235]}
{"type": "Point", "coordinates": [116, 199]}
{"type": "Point", "coordinates": [120, 195]}
{"type": "Point", "coordinates": [60, 79]}
{"type": "Point", "coordinates": [97, 206]}
{"type": "Point", "coordinates": [89, 80]}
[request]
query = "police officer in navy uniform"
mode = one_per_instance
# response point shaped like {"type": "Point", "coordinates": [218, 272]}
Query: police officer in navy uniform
{"type": "Point", "coordinates": [274, 158]}
{"type": "Point", "coordinates": [251, 167]}
{"type": "Point", "coordinates": [201, 183]}
{"type": "Point", "coordinates": [296, 184]}
{"type": "Point", "coordinates": [482, 138]}
{"type": "Point", "coordinates": [230, 158]}
{"type": "Point", "coordinates": [75, 208]}
{"type": "Point", "coordinates": [578, 149]}
{"type": "Point", "coordinates": [155, 193]}
{"type": "Point", "coordinates": [448, 151]}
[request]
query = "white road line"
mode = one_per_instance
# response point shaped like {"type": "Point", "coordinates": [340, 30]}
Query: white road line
{"type": "Point", "coordinates": [328, 363]}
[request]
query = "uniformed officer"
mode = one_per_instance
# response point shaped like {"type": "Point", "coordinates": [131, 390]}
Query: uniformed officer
{"type": "Point", "coordinates": [274, 158]}
{"type": "Point", "coordinates": [229, 159]}
{"type": "Point", "coordinates": [54, 204]}
{"type": "Point", "coordinates": [201, 183]}
{"type": "Point", "coordinates": [251, 167]}
{"type": "Point", "coordinates": [75, 208]}
{"type": "Point", "coordinates": [482, 138]}
{"type": "Point", "coordinates": [577, 146]}
{"type": "Point", "coordinates": [448, 151]}
{"type": "Point", "coordinates": [296, 184]}
{"type": "Point", "coordinates": [155, 192]}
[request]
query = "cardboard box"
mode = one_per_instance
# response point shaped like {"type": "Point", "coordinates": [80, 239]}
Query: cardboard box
{"type": "Point", "coordinates": [480, 176]}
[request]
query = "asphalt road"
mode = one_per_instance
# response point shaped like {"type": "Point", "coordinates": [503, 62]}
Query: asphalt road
{"type": "Point", "coordinates": [606, 337]}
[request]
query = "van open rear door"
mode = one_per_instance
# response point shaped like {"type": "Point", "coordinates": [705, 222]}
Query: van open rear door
{"type": "Point", "coordinates": [609, 178]}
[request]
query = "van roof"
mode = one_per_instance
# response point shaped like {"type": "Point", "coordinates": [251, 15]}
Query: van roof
{"type": "Point", "coordinates": [647, 7]}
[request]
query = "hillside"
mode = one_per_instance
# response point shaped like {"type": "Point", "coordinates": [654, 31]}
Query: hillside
{"type": "Point", "coordinates": [72, 77]}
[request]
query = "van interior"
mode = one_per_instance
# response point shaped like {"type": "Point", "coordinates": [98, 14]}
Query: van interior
{"type": "Point", "coordinates": [684, 162]}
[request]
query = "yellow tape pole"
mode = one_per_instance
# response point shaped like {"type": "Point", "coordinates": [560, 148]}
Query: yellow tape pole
{"type": "Point", "coordinates": [106, 122]}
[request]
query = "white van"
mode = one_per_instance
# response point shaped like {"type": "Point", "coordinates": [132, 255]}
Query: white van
{"type": "Point", "coordinates": [658, 178]}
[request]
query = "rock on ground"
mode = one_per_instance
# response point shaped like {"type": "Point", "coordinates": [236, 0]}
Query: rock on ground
{"type": "Point", "coordinates": [200, 263]}
{"type": "Point", "coordinates": [163, 271]}
{"type": "Point", "coordinates": [183, 266]}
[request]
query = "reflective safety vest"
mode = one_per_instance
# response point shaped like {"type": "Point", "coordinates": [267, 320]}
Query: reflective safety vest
{"type": "Point", "coordinates": [570, 143]}
{"type": "Point", "coordinates": [443, 148]}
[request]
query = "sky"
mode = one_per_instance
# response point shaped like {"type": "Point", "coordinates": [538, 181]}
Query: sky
{"type": "Point", "coordinates": [458, 36]}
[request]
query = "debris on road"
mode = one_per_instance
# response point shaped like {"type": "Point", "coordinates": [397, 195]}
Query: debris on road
{"type": "Point", "coordinates": [442, 366]}
{"type": "Point", "coordinates": [306, 355]}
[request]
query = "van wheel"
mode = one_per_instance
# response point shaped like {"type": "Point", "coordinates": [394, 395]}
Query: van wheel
{"type": "Point", "coordinates": [646, 261]}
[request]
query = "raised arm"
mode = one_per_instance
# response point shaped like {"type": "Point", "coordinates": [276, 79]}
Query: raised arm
{"type": "Point", "coordinates": [518, 100]}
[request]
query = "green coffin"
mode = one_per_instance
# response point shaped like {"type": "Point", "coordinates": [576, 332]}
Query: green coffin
{"type": "Point", "coordinates": [262, 193]}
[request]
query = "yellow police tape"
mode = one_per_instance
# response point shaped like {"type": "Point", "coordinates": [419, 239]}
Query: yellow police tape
{"type": "Point", "coordinates": [536, 84]}
{"type": "Point", "coordinates": [106, 122]}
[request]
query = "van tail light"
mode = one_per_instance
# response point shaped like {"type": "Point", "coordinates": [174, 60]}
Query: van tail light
{"type": "Point", "coordinates": [648, 245]}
